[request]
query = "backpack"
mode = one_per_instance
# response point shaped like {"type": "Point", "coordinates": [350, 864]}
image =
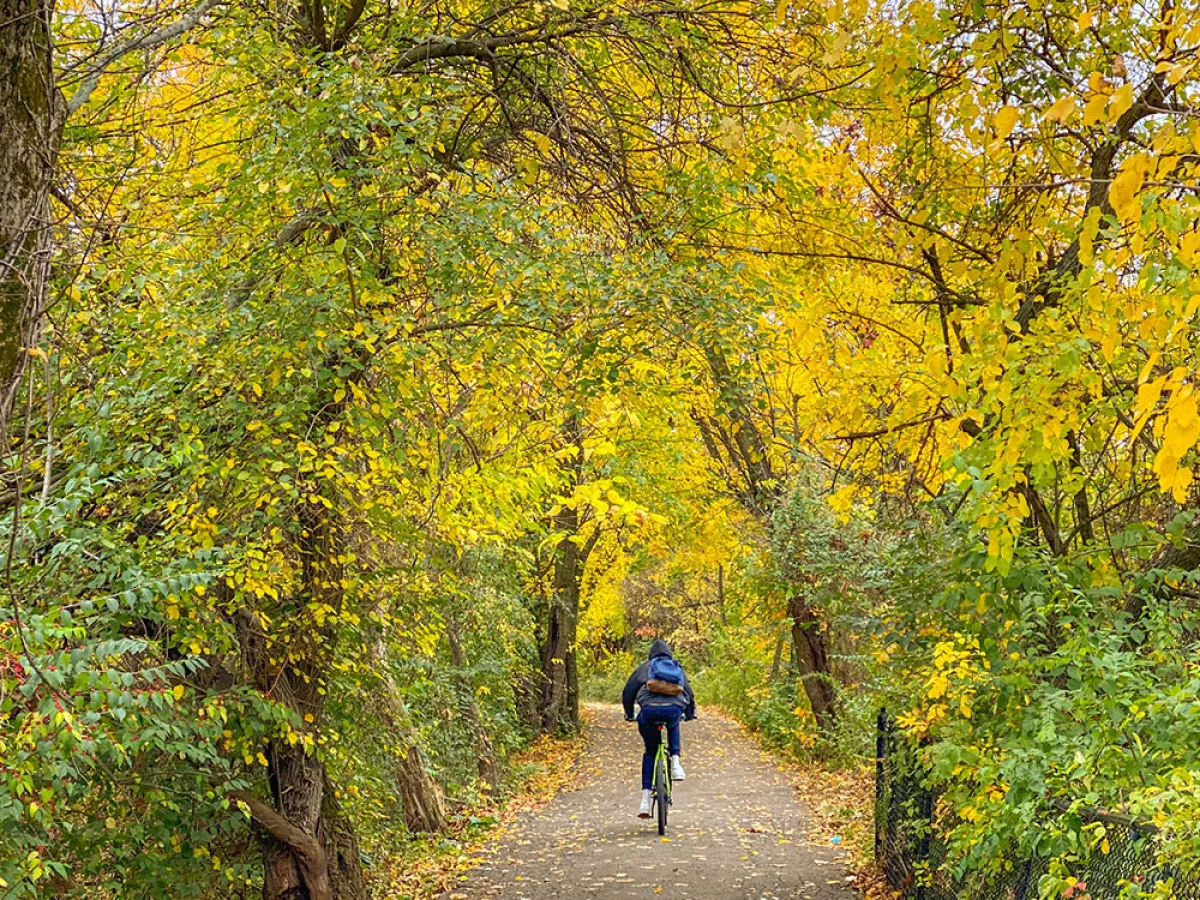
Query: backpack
{"type": "Point", "coordinates": [665, 676]}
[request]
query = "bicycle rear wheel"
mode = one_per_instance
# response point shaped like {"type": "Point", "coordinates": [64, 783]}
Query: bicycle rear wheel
{"type": "Point", "coordinates": [662, 796]}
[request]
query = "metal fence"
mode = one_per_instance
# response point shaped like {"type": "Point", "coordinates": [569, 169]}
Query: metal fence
{"type": "Point", "coordinates": [909, 824]}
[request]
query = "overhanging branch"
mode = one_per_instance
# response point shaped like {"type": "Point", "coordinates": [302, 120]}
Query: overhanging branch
{"type": "Point", "coordinates": [144, 42]}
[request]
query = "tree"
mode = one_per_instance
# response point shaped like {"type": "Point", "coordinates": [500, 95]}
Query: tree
{"type": "Point", "coordinates": [31, 118]}
{"type": "Point", "coordinates": [744, 458]}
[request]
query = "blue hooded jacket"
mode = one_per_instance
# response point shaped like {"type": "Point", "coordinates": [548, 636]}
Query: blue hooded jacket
{"type": "Point", "coordinates": [637, 692]}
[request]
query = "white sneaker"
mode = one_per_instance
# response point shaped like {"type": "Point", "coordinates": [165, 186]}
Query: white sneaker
{"type": "Point", "coordinates": [677, 773]}
{"type": "Point", "coordinates": [644, 809]}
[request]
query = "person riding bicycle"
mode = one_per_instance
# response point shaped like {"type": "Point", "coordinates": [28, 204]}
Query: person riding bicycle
{"type": "Point", "coordinates": [660, 688]}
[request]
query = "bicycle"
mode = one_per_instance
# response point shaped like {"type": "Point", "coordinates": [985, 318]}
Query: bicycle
{"type": "Point", "coordinates": [660, 793]}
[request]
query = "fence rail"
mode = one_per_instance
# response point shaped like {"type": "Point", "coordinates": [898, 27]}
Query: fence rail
{"type": "Point", "coordinates": [909, 844]}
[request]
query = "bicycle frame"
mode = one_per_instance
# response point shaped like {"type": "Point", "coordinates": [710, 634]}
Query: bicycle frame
{"type": "Point", "coordinates": [661, 756]}
{"type": "Point", "coordinates": [661, 795]}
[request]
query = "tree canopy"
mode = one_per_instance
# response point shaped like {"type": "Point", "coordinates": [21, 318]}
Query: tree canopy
{"type": "Point", "coordinates": [375, 379]}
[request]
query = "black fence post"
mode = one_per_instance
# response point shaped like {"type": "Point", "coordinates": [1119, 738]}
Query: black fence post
{"type": "Point", "coordinates": [1025, 881]}
{"type": "Point", "coordinates": [925, 810]}
{"type": "Point", "coordinates": [881, 813]}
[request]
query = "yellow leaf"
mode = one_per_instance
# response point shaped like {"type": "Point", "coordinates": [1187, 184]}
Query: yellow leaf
{"type": "Point", "coordinates": [178, 691]}
{"type": "Point", "coordinates": [1183, 424]}
{"type": "Point", "coordinates": [1093, 112]}
{"type": "Point", "coordinates": [1122, 193]}
{"type": "Point", "coordinates": [1147, 399]}
{"type": "Point", "coordinates": [1179, 436]}
{"type": "Point", "coordinates": [1005, 121]}
{"type": "Point", "coordinates": [1188, 245]}
{"type": "Point", "coordinates": [1108, 345]}
{"type": "Point", "coordinates": [1121, 100]}
{"type": "Point", "coordinates": [1062, 110]}
{"type": "Point", "coordinates": [938, 685]}
{"type": "Point", "coordinates": [1178, 72]}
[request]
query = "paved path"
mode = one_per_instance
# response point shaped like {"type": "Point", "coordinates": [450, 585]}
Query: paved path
{"type": "Point", "coordinates": [736, 832]}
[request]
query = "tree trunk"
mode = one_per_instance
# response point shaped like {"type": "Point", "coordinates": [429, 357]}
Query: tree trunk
{"type": "Point", "coordinates": [810, 655]}
{"type": "Point", "coordinates": [560, 693]}
{"type": "Point", "coordinates": [420, 796]}
{"type": "Point", "coordinates": [560, 669]}
{"type": "Point", "coordinates": [31, 118]}
{"type": "Point", "coordinates": [1184, 555]}
{"type": "Point", "coordinates": [305, 855]}
{"type": "Point", "coordinates": [1083, 508]}
{"type": "Point", "coordinates": [293, 869]}
{"type": "Point", "coordinates": [775, 661]}
{"type": "Point", "coordinates": [336, 835]}
{"type": "Point", "coordinates": [488, 764]}
{"type": "Point", "coordinates": [304, 799]}
{"type": "Point", "coordinates": [528, 694]}
{"type": "Point", "coordinates": [559, 706]}
{"type": "Point", "coordinates": [421, 800]}
{"type": "Point", "coordinates": [298, 792]}
{"type": "Point", "coordinates": [721, 595]}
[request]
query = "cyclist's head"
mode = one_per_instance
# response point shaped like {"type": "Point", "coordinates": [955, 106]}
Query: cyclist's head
{"type": "Point", "coordinates": [659, 648]}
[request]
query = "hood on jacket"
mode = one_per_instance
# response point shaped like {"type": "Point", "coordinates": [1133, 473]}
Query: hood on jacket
{"type": "Point", "coordinates": [660, 648]}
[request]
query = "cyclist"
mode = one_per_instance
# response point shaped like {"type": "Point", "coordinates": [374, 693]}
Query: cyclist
{"type": "Point", "coordinates": [660, 688]}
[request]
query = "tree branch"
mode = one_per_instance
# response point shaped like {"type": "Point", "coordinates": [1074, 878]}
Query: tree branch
{"type": "Point", "coordinates": [152, 39]}
{"type": "Point", "coordinates": [1048, 288]}
{"type": "Point", "coordinates": [889, 429]}
{"type": "Point", "coordinates": [289, 233]}
{"type": "Point", "coordinates": [449, 48]}
{"type": "Point", "coordinates": [309, 854]}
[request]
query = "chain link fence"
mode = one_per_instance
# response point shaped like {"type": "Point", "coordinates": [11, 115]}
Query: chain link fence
{"type": "Point", "coordinates": [909, 824]}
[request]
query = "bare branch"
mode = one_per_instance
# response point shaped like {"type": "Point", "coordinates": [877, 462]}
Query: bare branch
{"type": "Point", "coordinates": [146, 41]}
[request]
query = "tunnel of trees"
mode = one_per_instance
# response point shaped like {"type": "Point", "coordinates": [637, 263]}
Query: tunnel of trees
{"type": "Point", "coordinates": [377, 379]}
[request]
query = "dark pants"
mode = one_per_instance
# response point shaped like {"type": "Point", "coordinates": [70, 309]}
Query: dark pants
{"type": "Point", "coordinates": [648, 722]}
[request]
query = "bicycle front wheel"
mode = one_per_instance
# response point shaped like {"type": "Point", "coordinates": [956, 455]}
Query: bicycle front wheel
{"type": "Point", "coordinates": [662, 796]}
